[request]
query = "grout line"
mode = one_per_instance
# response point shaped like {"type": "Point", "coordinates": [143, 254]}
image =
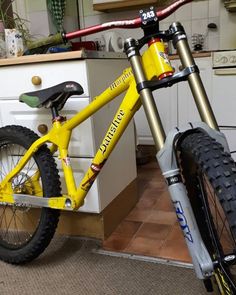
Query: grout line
{"type": "Point", "coordinates": [144, 258]}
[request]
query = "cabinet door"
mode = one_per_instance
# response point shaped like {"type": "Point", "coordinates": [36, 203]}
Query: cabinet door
{"type": "Point", "coordinates": [187, 110]}
{"type": "Point", "coordinates": [166, 102]}
{"type": "Point", "coordinates": [12, 112]}
{"type": "Point", "coordinates": [18, 79]}
{"type": "Point", "coordinates": [224, 105]}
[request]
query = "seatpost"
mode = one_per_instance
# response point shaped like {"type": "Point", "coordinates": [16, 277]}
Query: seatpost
{"type": "Point", "coordinates": [146, 95]}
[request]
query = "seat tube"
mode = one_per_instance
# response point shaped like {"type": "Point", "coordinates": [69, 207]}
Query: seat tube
{"type": "Point", "coordinates": [194, 79]}
{"type": "Point", "coordinates": [146, 95]}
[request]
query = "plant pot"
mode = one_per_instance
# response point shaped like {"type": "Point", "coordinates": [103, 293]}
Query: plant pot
{"type": "Point", "coordinates": [14, 43]}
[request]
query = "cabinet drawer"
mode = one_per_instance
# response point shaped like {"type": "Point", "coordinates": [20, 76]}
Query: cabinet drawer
{"type": "Point", "coordinates": [18, 79]}
{"type": "Point", "coordinates": [80, 166]}
{"type": "Point", "coordinates": [13, 112]}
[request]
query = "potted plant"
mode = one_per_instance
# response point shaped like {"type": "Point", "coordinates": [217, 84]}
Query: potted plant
{"type": "Point", "coordinates": [13, 28]}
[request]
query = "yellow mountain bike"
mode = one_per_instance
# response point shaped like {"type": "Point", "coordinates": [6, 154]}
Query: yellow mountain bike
{"type": "Point", "coordinates": [194, 159]}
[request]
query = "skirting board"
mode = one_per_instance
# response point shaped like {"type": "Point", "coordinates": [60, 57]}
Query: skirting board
{"type": "Point", "coordinates": [101, 225]}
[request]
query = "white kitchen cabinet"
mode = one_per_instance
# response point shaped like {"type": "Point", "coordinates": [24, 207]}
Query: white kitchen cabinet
{"type": "Point", "coordinates": [187, 110]}
{"type": "Point", "coordinates": [94, 75]}
{"type": "Point", "coordinates": [224, 103]}
{"type": "Point", "coordinates": [175, 104]}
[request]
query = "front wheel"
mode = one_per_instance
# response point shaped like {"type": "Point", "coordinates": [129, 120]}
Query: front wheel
{"type": "Point", "coordinates": [25, 231]}
{"type": "Point", "coordinates": [210, 178]}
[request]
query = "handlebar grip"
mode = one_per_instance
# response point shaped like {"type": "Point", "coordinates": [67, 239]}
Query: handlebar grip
{"type": "Point", "coordinates": [51, 40]}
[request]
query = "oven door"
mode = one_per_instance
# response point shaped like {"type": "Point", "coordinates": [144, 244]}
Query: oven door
{"type": "Point", "coordinates": [224, 103]}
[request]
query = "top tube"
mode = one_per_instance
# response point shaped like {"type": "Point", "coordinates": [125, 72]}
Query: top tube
{"type": "Point", "coordinates": [128, 24]}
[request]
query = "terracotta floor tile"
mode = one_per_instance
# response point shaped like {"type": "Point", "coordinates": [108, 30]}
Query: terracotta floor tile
{"type": "Point", "coordinates": [151, 228]}
{"type": "Point", "coordinates": [157, 184]}
{"type": "Point", "coordinates": [150, 165]}
{"type": "Point", "coordinates": [150, 175]}
{"type": "Point", "coordinates": [147, 203]}
{"type": "Point", "coordinates": [154, 231]}
{"type": "Point", "coordinates": [162, 217]}
{"type": "Point", "coordinates": [138, 214]}
{"type": "Point", "coordinates": [175, 250]}
{"type": "Point", "coordinates": [152, 193]}
{"type": "Point", "coordinates": [164, 202]}
{"type": "Point", "coordinates": [116, 242]}
{"type": "Point", "coordinates": [175, 233]}
{"type": "Point", "coordinates": [128, 228]}
{"type": "Point", "coordinates": [144, 246]}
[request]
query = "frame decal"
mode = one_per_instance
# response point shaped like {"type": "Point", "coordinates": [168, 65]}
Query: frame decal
{"type": "Point", "coordinates": [112, 130]}
{"type": "Point", "coordinates": [95, 169]}
{"type": "Point", "coordinates": [122, 80]}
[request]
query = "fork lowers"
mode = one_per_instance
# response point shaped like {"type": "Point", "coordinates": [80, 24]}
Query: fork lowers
{"type": "Point", "coordinates": [202, 102]}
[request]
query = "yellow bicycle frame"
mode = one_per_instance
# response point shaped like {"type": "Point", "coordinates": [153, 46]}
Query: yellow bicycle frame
{"type": "Point", "coordinates": [156, 64]}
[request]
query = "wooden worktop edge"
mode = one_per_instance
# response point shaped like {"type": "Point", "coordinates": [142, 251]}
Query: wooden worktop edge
{"type": "Point", "coordinates": [36, 58]}
{"type": "Point", "coordinates": [80, 54]}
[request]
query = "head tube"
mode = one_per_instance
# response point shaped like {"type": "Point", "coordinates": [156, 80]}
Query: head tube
{"type": "Point", "coordinates": [156, 56]}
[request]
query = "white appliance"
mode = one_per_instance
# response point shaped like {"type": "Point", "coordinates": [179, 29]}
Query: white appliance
{"type": "Point", "coordinates": [113, 41]}
{"type": "Point", "coordinates": [224, 94]}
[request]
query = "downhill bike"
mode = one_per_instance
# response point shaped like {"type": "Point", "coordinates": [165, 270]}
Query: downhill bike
{"type": "Point", "coordinates": [194, 159]}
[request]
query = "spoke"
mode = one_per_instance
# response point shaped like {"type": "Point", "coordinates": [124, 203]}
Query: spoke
{"type": "Point", "coordinates": [28, 219]}
{"type": "Point", "coordinates": [17, 233]}
{"type": "Point", "coordinates": [7, 226]}
{"type": "Point", "coordinates": [2, 215]}
{"type": "Point", "coordinates": [23, 226]}
{"type": "Point", "coordinates": [219, 222]}
{"type": "Point", "coordinates": [218, 215]}
{"type": "Point", "coordinates": [30, 168]}
{"type": "Point", "coordinates": [4, 162]}
{"type": "Point", "coordinates": [212, 198]}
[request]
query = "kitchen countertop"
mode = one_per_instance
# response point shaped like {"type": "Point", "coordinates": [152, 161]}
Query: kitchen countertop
{"type": "Point", "coordinates": [80, 54]}
{"type": "Point", "coordinates": [195, 54]}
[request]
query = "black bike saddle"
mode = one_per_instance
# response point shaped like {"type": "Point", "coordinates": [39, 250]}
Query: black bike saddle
{"type": "Point", "coordinates": [55, 96]}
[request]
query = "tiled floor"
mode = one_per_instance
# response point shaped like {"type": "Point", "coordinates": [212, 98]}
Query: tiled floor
{"type": "Point", "coordinates": [151, 228]}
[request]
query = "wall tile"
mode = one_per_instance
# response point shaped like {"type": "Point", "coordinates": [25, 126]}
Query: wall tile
{"type": "Point", "coordinates": [34, 6]}
{"type": "Point", "coordinates": [214, 8]}
{"type": "Point", "coordinates": [39, 24]}
{"type": "Point", "coordinates": [199, 9]}
{"type": "Point", "coordinates": [199, 26]}
{"type": "Point", "coordinates": [213, 42]}
{"type": "Point", "coordinates": [184, 13]}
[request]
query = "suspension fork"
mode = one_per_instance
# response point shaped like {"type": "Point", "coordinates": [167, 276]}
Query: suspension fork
{"type": "Point", "coordinates": [169, 167]}
{"type": "Point", "coordinates": [194, 79]}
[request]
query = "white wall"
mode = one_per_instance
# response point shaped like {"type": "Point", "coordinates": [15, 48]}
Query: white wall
{"type": "Point", "coordinates": [194, 16]}
{"type": "Point", "coordinates": [40, 23]}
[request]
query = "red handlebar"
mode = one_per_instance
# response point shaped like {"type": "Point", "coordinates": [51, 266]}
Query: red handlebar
{"type": "Point", "coordinates": [128, 24]}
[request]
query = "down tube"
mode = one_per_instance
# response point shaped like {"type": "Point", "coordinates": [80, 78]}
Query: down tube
{"type": "Point", "coordinates": [130, 104]}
